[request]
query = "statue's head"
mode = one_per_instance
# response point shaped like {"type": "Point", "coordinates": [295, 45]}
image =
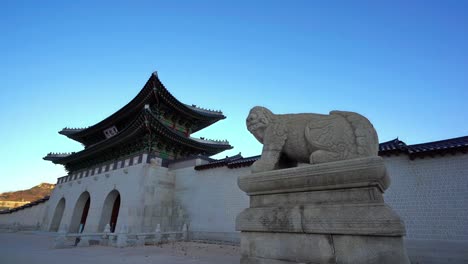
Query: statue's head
{"type": "Point", "coordinates": [258, 120]}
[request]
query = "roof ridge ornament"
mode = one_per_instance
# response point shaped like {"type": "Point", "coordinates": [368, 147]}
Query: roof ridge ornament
{"type": "Point", "coordinates": [205, 109]}
{"type": "Point", "coordinates": [220, 141]}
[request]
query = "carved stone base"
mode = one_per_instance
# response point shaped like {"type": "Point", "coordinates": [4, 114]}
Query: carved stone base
{"type": "Point", "coordinates": [326, 213]}
{"type": "Point", "coordinates": [288, 248]}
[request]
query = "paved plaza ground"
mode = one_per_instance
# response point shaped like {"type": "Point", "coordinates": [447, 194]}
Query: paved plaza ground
{"type": "Point", "coordinates": [35, 247]}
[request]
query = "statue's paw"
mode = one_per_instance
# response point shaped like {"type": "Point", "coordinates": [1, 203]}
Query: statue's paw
{"type": "Point", "coordinates": [261, 165]}
{"type": "Point", "coordinates": [323, 156]}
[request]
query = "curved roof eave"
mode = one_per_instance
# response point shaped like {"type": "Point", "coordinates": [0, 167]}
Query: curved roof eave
{"type": "Point", "coordinates": [135, 127]}
{"type": "Point", "coordinates": [193, 142]}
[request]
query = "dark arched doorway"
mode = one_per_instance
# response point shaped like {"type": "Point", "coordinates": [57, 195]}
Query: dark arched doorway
{"type": "Point", "coordinates": [80, 213]}
{"type": "Point", "coordinates": [57, 218]}
{"type": "Point", "coordinates": [110, 211]}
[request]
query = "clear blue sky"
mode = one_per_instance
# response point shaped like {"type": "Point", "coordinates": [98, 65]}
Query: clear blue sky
{"type": "Point", "coordinates": [403, 64]}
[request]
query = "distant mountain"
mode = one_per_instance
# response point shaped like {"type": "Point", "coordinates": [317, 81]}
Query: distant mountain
{"type": "Point", "coordinates": [33, 194]}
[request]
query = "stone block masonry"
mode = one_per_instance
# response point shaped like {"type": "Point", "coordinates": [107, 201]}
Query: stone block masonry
{"type": "Point", "coordinates": [431, 195]}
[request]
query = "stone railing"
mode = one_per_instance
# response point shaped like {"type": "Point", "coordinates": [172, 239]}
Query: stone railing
{"type": "Point", "coordinates": [120, 239]}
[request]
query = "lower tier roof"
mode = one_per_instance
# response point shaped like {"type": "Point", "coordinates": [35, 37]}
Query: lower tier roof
{"type": "Point", "coordinates": [146, 132]}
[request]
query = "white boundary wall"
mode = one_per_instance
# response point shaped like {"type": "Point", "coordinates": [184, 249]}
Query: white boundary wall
{"type": "Point", "coordinates": [431, 195]}
{"type": "Point", "coordinates": [212, 200]}
{"type": "Point", "coordinates": [28, 218]}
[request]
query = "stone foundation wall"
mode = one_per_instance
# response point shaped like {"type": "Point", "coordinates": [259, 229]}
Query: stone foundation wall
{"type": "Point", "coordinates": [158, 200]}
{"type": "Point", "coordinates": [131, 183]}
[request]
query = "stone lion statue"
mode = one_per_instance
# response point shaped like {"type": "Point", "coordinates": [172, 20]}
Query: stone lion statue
{"type": "Point", "coordinates": [310, 138]}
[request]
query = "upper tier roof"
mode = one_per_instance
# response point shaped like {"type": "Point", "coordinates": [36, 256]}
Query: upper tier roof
{"type": "Point", "coordinates": [152, 93]}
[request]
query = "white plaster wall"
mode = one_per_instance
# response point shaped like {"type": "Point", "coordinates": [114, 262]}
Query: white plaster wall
{"type": "Point", "coordinates": [28, 218]}
{"type": "Point", "coordinates": [128, 181]}
{"type": "Point", "coordinates": [211, 200]}
{"type": "Point", "coordinates": [431, 195]}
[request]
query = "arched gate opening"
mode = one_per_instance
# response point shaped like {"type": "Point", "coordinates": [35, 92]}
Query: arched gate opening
{"type": "Point", "coordinates": [110, 211]}
{"type": "Point", "coordinates": [80, 213]}
{"type": "Point", "coordinates": [57, 218]}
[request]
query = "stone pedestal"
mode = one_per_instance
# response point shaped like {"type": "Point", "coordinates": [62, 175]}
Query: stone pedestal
{"type": "Point", "coordinates": [326, 213]}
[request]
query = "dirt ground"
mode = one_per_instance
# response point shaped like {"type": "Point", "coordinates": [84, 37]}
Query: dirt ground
{"type": "Point", "coordinates": [35, 247]}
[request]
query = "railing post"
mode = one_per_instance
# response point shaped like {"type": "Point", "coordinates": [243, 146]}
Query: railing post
{"type": "Point", "coordinates": [157, 234]}
{"type": "Point", "coordinates": [105, 236]}
{"type": "Point", "coordinates": [59, 241]}
{"type": "Point", "coordinates": [185, 232]}
{"type": "Point", "coordinates": [107, 229]}
{"type": "Point", "coordinates": [84, 241]}
{"type": "Point", "coordinates": [141, 239]}
{"type": "Point", "coordinates": [122, 237]}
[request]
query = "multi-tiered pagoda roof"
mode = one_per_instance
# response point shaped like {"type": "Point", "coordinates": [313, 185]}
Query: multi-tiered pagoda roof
{"type": "Point", "coordinates": [154, 122]}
